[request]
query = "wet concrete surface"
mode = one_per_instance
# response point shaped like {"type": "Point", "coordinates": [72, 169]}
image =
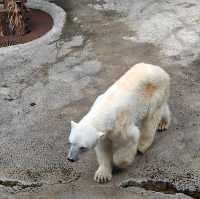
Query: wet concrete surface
{"type": "Point", "coordinates": [100, 41]}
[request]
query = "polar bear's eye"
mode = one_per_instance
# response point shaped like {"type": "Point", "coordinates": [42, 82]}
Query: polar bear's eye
{"type": "Point", "coordinates": [83, 149]}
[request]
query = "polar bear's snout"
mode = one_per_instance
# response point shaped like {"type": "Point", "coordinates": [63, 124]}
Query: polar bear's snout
{"type": "Point", "coordinates": [73, 153]}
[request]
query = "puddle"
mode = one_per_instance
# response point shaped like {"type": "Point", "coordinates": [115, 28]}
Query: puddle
{"type": "Point", "coordinates": [165, 187]}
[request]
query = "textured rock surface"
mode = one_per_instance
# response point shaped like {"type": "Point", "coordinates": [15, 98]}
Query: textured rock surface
{"type": "Point", "coordinates": [41, 93]}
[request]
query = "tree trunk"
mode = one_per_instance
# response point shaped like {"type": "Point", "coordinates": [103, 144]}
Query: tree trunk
{"type": "Point", "coordinates": [14, 22]}
{"type": "Point", "coordinates": [2, 25]}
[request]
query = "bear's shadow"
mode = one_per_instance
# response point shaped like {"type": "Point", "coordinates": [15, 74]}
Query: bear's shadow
{"type": "Point", "coordinates": [116, 170]}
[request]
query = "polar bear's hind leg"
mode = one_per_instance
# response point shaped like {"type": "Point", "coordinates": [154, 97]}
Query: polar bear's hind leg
{"type": "Point", "coordinates": [165, 118]}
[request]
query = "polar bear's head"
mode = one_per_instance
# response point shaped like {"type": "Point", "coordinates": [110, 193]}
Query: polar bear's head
{"type": "Point", "coordinates": [82, 138]}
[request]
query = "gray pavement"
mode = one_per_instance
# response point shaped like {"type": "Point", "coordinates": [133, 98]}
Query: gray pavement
{"type": "Point", "coordinates": [41, 93]}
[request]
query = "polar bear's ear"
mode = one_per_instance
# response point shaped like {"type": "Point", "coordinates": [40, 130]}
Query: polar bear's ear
{"type": "Point", "coordinates": [101, 134]}
{"type": "Point", "coordinates": [73, 124]}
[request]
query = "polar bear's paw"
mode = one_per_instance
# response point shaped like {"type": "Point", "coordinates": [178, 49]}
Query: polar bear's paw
{"type": "Point", "coordinates": [163, 125]}
{"type": "Point", "coordinates": [142, 148]}
{"type": "Point", "coordinates": [102, 175]}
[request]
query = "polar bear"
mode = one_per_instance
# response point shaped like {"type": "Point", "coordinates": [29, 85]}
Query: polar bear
{"type": "Point", "coordinates": [124, 119]}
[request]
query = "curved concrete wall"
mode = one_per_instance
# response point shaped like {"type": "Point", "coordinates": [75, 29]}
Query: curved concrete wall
{"type": "Point", "coordinates": [18, 53]}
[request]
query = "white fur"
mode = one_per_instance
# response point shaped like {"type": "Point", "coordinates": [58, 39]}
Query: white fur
{"type": "Point", "coordinates": [128, 115]}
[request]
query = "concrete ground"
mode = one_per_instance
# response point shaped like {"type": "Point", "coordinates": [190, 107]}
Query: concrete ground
{"type": "Point", "coordinates": [100, 41]}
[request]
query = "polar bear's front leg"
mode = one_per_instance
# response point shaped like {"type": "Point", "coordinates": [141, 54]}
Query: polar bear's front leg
{"type": "Point", "coordinates": [125, 154]}
{"type": "Point", "coordinates": [104, 157]}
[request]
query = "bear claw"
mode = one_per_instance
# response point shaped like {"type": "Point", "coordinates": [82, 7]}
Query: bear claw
{"type": "Point", "coordinates": [162, 126]}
